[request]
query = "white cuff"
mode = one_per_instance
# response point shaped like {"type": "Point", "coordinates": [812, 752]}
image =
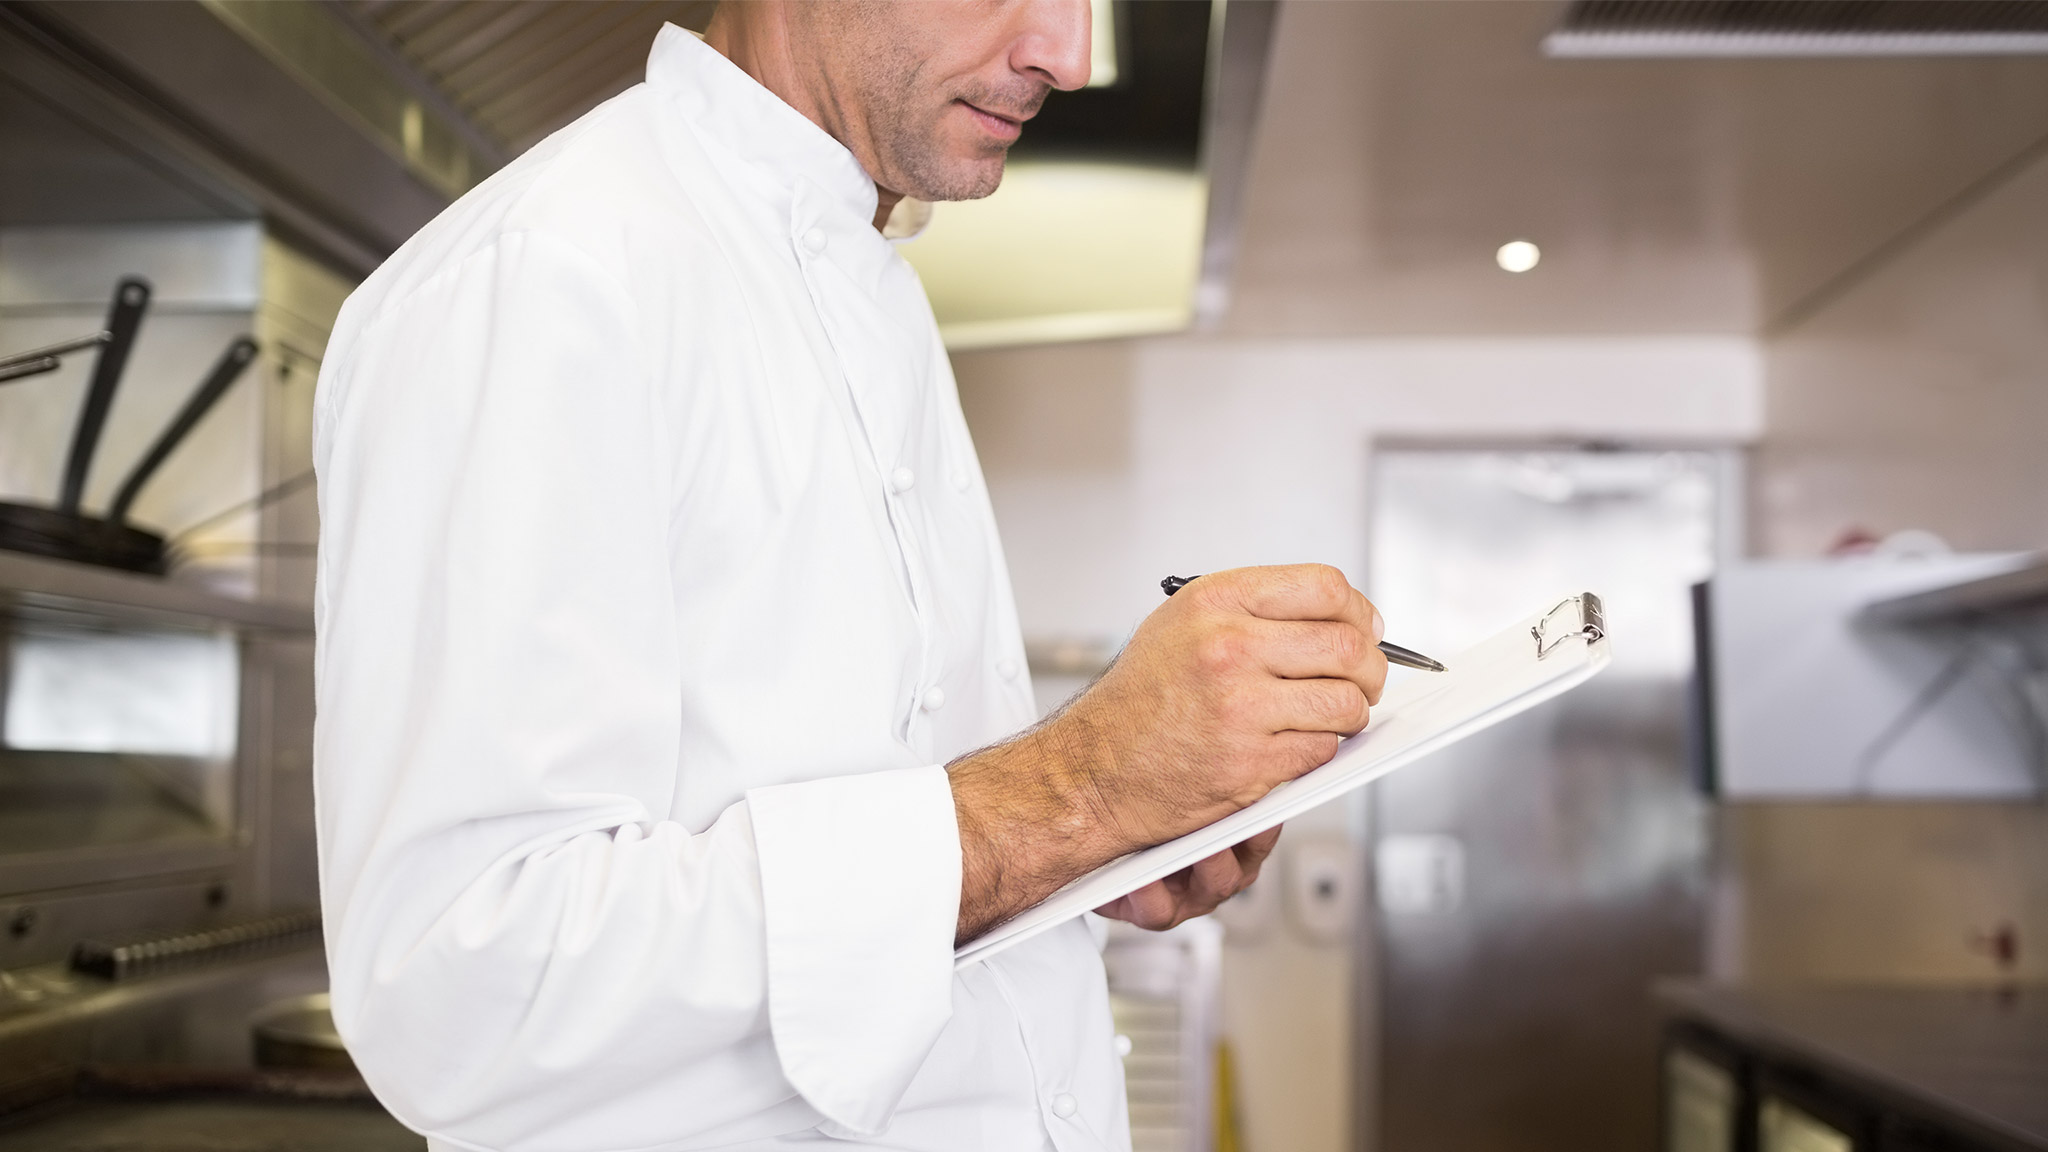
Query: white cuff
{"type": "Point", "coordinates": [860, 878]}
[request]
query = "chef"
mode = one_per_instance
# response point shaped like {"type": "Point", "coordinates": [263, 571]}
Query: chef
{"type": "Point", "coordinates": [674, 726]}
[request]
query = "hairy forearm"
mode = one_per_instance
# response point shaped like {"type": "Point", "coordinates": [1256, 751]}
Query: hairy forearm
{"type": "Point", "coordinates": [1030, 821]}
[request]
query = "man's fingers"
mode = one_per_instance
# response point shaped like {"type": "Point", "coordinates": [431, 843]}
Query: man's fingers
{"type": "Point", "coordinates": [1314, 706]}
{"type": "Point", "coordinates": [1196, 890]}
{"type": "Point", "coordinates": [1154, 906]}
{"type": "Point", "coordinates": [1299, 592]}
{"type": "Point", "coordinates": [1312, 649]}
{"type": "Point", "coordinates": [1301, 752]}
{"type": "Point", "coordinates": [1211, 881]}
{"type": "Point", "coordinates": [1218, 878]}
{"type": "Point", "coordinates": [1193, 891]}
{"type": "Point", "coordinates": [1306, 649]}
{"type": "Point", "coordinates": [1253, 852]}
{"type": "Point", "coordinates": [1290, 592]}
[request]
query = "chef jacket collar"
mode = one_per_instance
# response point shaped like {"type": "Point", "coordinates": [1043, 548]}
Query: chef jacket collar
{"type": "Point", "coordinates": [725, 103]}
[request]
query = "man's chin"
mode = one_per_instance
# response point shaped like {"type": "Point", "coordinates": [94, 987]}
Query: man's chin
{"type": "Point", "coordinates": [966, 179]}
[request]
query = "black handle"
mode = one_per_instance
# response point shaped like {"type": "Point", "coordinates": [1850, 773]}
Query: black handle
{"type": "Point", "coordinates": [131, 298]}
{"type": "Point", "coordinates": [225, 371]}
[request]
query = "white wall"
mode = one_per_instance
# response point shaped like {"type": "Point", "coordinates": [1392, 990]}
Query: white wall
{"type": "Point", "coordinates": [1914, 399]}
{"type": "Point", "coordinates": [1112, 465]}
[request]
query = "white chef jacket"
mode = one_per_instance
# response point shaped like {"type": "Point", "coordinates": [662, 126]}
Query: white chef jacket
{"type": "Point", "coordinates": [657, 584]}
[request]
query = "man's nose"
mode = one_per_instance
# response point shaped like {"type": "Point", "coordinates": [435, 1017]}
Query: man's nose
{"type": "Point", "coordinates": [1054, 44]}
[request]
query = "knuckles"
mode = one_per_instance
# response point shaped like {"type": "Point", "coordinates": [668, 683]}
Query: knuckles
{"type": "Point", "coordinates": [1220, 651]}
{"type": "Point", "coordinates": [1327, 586]}
{"type": "Point", "coordinates": [1348, 646]}
{"type": "Point", "coordinates": [1354, 709]}
{"type": "Point", "coordinates": [1314, 750]}
{"type": "Point", "coordinates": [1319, 587]}
{"type": "Point", "coordinates": [1376, 677]}
{"type": "Point", "coordinates": [1339, 703]}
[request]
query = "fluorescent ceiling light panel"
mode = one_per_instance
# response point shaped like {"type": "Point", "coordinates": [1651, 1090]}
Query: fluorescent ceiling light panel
{"type": "Point", "coordinates": [1102, 45]}
{"type": "Point", "coordinates": [1065, 250]}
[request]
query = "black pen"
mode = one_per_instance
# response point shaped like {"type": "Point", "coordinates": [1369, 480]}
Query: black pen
{"type": "Point", "coordinates": [1407, 658]}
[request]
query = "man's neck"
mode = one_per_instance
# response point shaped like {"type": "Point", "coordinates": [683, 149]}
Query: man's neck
{"type": "Point", "coordinates": [758, 41]}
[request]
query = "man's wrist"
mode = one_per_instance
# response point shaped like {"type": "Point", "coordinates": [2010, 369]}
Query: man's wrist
{"type": "Point", "coordinates": [1030, 819]}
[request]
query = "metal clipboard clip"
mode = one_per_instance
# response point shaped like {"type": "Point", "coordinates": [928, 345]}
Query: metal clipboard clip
{"type": "Point", "coordinates": [1591, 623]}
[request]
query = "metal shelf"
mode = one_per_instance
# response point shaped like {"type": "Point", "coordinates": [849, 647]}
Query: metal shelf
{"type": "Point", "coordinates": [2019, 590]}
{"type": "Point", "coordinates": [34, 580]}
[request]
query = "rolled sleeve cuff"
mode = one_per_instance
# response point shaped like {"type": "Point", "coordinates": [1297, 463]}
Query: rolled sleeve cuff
{"type": "Point", "coordinates": [860, 880]}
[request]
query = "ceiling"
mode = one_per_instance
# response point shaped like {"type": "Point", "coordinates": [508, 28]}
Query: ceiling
{"type": "Point", "coordinates": [1400, 143]}
{"type": "Point", "coordinates": [521, 70]}
{"type": "Point", "coordinates": [1403, 141]}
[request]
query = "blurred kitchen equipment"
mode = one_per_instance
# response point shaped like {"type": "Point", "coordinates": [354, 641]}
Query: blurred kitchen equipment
{"type": "Point", "coordinates": [1165, 995]}
{"type": "Point", "coordinates": [37, 361]}
{"type": "Point", "coordinates": [1855, 697]}
{"type": "Point", "coordinates": [299, 1033]}
{"type": "Point", "coordinates": [128, 959]}
{"type": "Point", "coordinates": [64, 531]}
{"type": "Point", "coordinates": [153, 745]}
{"type": "Point", "coordinates": [130, 1107]}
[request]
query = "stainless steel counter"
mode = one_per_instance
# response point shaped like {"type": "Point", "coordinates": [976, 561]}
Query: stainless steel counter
{"type": "Point", "coordinates": [206, 1121]}
{"type": "Point", "coordinates": [1977, 1055]}
{"type": "Point", "coordinates": [55, 1022]}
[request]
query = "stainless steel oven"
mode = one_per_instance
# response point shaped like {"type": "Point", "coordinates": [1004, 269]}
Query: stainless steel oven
{"type": "Point", "coordinates": [155, 808]}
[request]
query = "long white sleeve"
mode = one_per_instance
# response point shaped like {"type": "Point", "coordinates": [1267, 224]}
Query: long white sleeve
{"type": "Point", "coordinates": [528, 949]}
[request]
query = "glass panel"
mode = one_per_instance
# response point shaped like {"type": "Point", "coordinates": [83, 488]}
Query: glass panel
{"type": "Point", "coordinates": [1699, 1104]}
{"type": "Point", "coordinates": [115, 733]}
{"type": "Point", "coordinates": [1784, 1128]}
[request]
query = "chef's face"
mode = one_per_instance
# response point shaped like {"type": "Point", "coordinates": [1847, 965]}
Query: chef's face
{"type": "Point", "coordinates": [930, 94]}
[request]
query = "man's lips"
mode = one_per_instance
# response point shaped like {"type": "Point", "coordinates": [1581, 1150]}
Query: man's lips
{"type": "Point", "coordinates": [999, 126]}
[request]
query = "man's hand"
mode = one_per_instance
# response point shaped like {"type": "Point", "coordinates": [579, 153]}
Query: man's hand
{"type": "Point", "coordinates": [1195, 890]}
{"type": "Point", "coordinates": [1243, 681]}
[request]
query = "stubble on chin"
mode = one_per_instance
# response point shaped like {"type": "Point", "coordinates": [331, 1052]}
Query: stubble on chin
{"type": "Point", "coordinates": [916, 150]}
{"type": "Point", "coordinates": [907, 111]}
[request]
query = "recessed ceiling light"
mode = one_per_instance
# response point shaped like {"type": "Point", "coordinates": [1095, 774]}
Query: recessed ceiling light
{"type": "Point", "coordinates": [1517, 256]}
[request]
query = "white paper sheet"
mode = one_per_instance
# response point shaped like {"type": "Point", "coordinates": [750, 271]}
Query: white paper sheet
{"type": "Point", "coordinates": [1482, 687]}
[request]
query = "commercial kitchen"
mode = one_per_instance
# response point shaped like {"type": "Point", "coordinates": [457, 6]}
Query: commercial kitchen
{"type": "Point", "coordinates": [1733, 311]}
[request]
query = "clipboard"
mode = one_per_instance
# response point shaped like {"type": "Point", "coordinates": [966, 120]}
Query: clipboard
{"type": "Point", "coordinates": [1534, 661]}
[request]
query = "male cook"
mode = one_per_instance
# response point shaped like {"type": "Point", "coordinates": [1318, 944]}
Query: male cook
{"type": "Point", "coordinates": [674, 724]}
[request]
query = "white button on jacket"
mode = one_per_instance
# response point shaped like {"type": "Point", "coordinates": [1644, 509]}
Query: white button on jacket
{"type": "Point", "coordinates": [634, 827]}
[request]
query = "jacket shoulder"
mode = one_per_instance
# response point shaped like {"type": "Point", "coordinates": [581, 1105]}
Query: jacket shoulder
{"type": "Point", "coordinates": [612, 184]}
